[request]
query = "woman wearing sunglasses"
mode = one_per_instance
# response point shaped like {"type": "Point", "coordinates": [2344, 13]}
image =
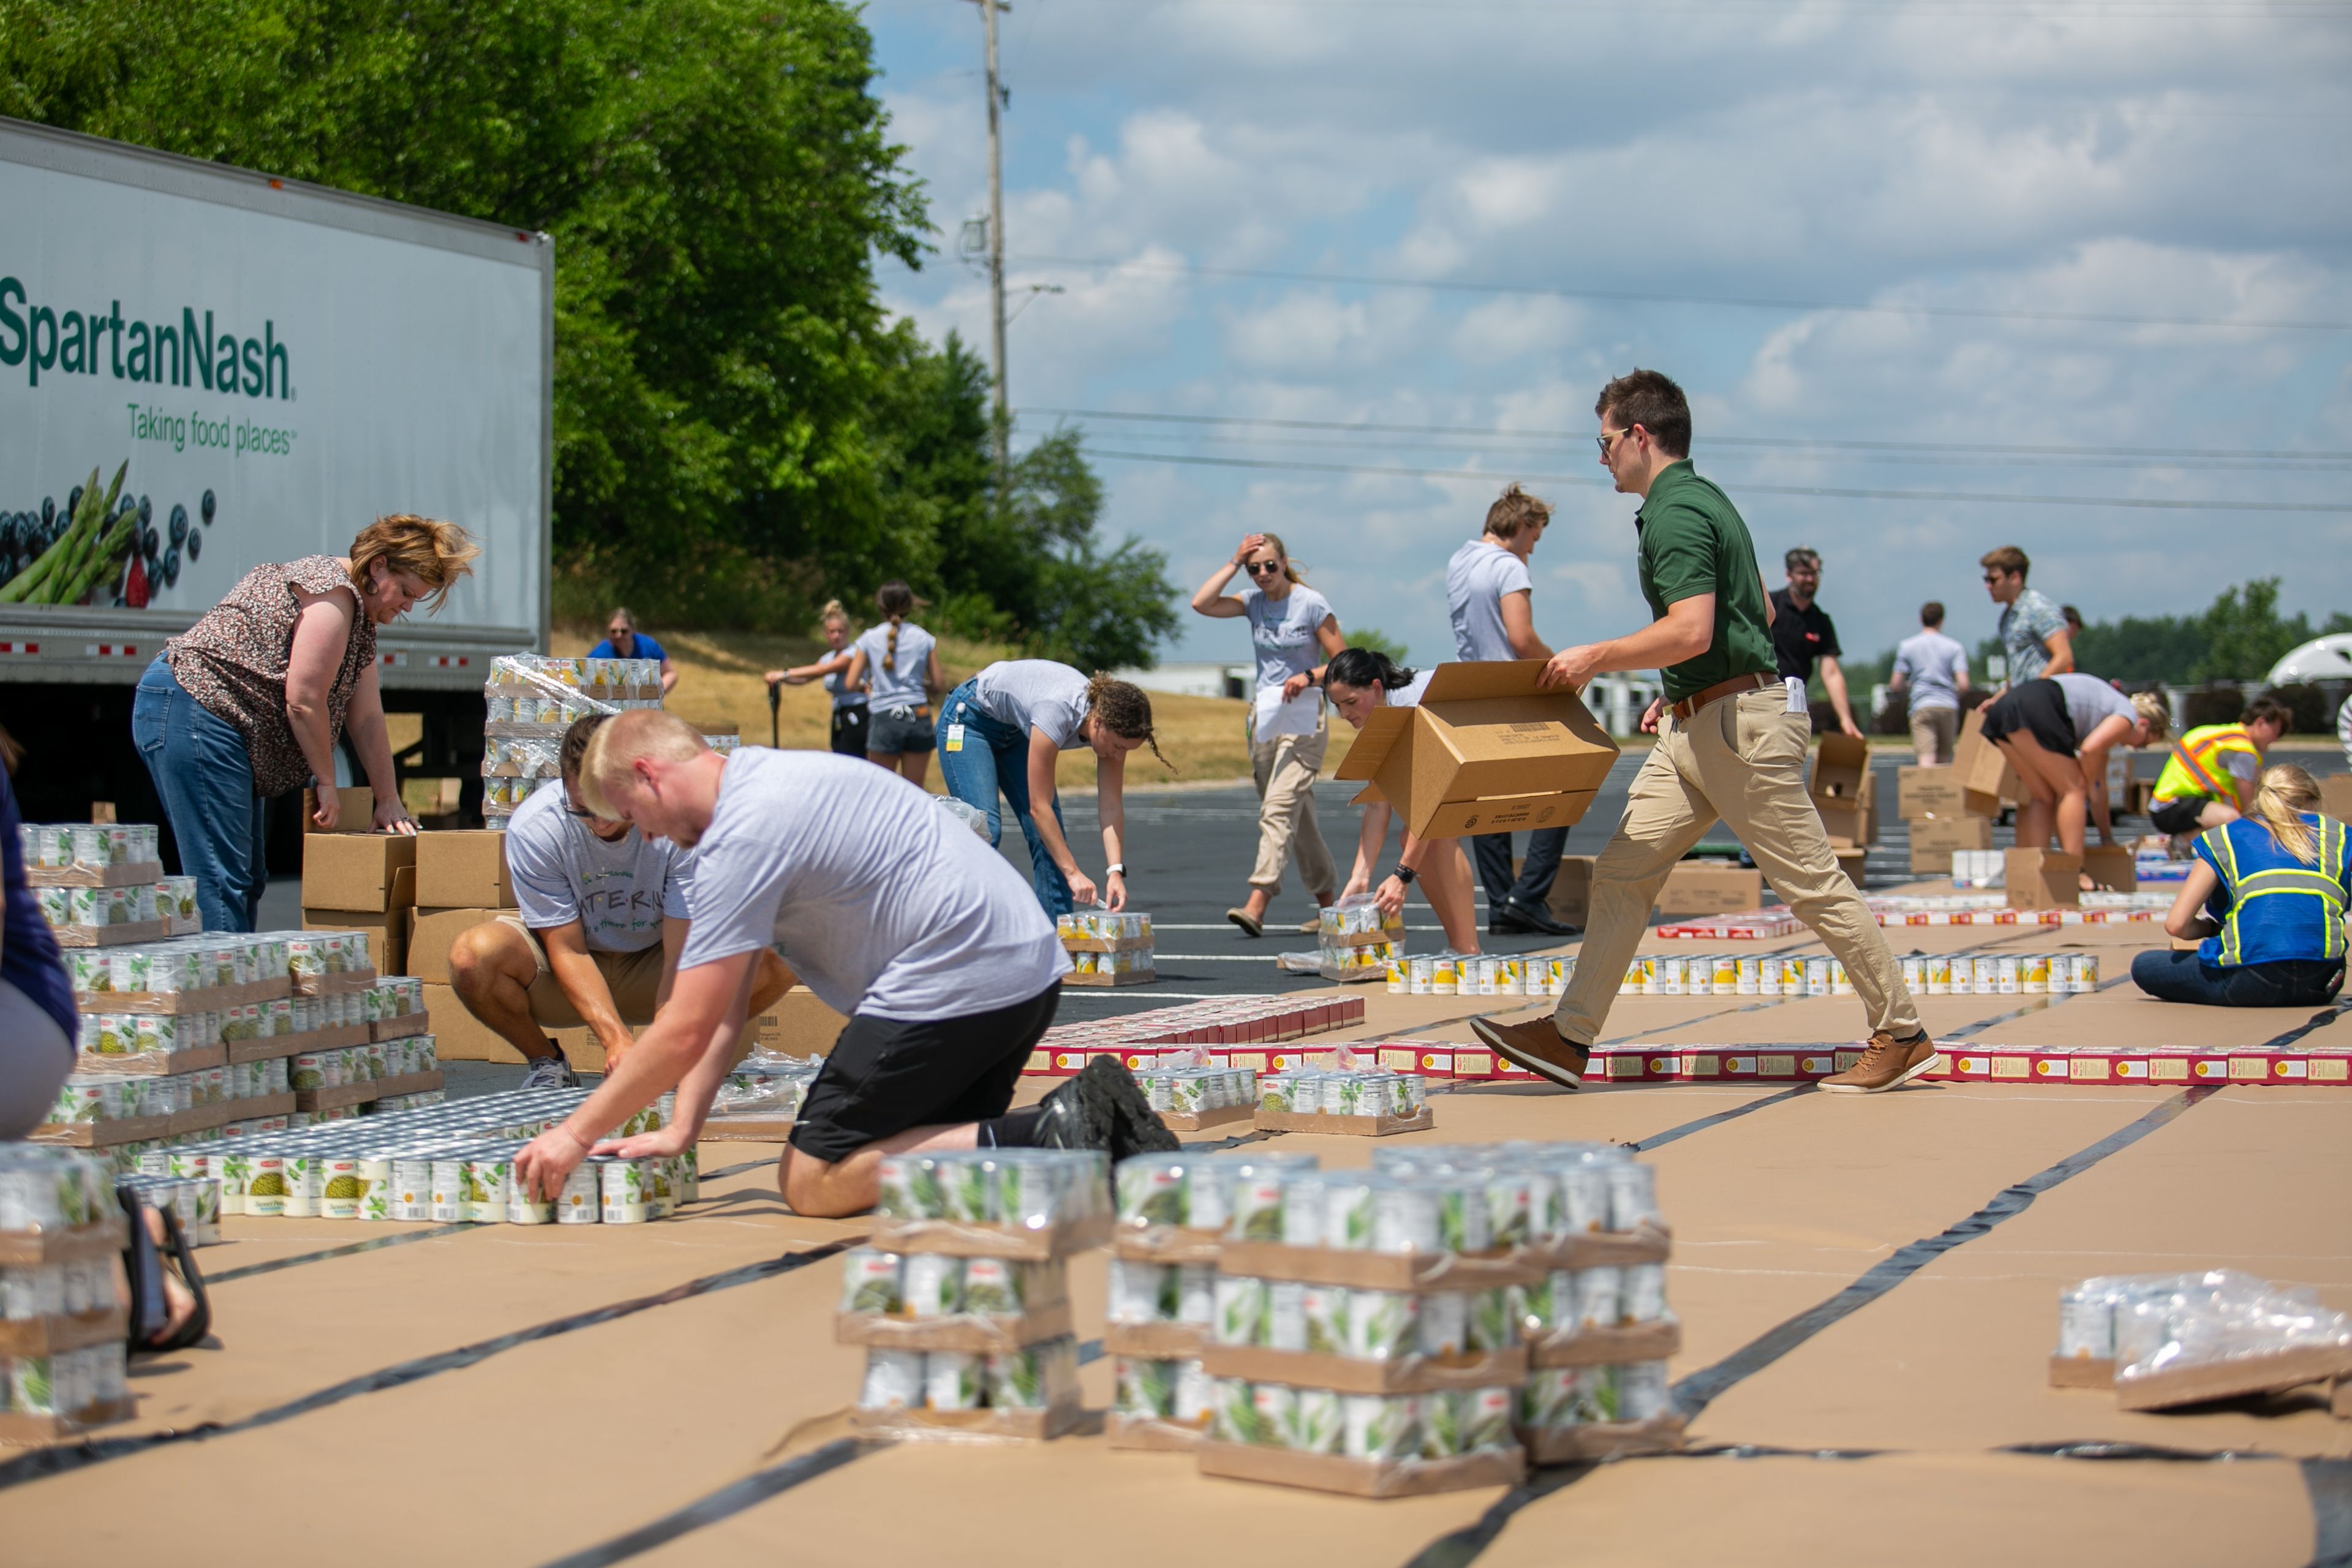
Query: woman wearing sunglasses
{"type": "Point", "coordinates": [1290, 624]}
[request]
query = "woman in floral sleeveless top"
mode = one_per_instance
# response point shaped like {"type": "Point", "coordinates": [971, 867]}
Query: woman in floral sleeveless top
{"type": "Point", "coordinates": [249, 703]}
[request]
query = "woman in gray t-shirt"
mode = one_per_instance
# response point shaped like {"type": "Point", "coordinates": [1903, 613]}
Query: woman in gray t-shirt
{"type": "Point", "coordinates": [897, 662]}
{"type": "Point", "coordinates": [1290, 624]}
{"type": "Point", "coordinates": [849, 716]}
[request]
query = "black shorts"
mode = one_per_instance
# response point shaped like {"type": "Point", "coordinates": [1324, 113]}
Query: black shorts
{"type": "Point", "coordinates": [898, 730]}
{"type": "Point", "coordinates": [885, 1075]}
{"type": "Point", "coordinates": [2177, 815]}
{"type": "Point", "coordinates": [2038, 707]}
{"type": "Point", "coordinates": [849, 725]}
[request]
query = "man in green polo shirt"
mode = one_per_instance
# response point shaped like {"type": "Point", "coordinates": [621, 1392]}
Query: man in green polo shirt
{"type": "Point", "coordinates": [1731, 744]}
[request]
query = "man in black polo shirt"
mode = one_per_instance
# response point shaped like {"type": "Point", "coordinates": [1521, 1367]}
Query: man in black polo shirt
{"type": "Point", "coordinates": [1731, 746]}
{"type": "Point", "coordinates": [1802, 633]}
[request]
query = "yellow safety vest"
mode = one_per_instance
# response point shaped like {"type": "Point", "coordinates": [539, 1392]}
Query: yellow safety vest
{"type": "Point", "coordinates": [2323, 883]}
{"type": "Point", "coordinates": [2195, 767]}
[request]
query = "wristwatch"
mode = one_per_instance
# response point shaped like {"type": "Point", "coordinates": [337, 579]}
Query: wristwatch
{"type": "Point", "coordinates": [1405, 874]}
{"type": "Point", "coordinates": [1116, 868]}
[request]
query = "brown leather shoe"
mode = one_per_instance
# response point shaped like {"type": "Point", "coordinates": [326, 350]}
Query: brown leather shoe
{"type": "Point", "coordinates": [1537, 1047]}
{"type": "Point", "coordinates": [1886, 1062]}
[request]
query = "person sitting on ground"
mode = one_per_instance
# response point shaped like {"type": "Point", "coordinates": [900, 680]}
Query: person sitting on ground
{"type": "Point", "coordinates": [895, 914]}
{"type": "Point", "coordinates": [849, 712]}
{"type": "Point", "coordinates": [898, 663]}
{"type": "Point", "coordinates": [1003, 731]}
{"type": "Point", "coordinates": [1361, 681]}
{"type": "Point", "coordinates": [2267, 895]}
{"type": "Point", "coordinates": [2033, 636]}
{"type": "Point", "coordinates": [602, 918]}
{"type": "Point", "coordinates": [2210, 778]}
{"type": "Point", "coordinates": [1935, 670]}
{"type": "Point", "coordinates": [622, 640]}
{"type": "Point", "coordinates": [2056, 732]}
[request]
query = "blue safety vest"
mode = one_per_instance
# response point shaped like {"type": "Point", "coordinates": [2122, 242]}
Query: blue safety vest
{"type": "Point", "coordinates": [2271, 905]}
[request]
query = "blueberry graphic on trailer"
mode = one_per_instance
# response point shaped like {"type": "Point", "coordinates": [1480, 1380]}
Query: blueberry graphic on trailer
{"type": "Point", "coordinates": [196, 545]}
{"type": "Point", "coordinates": [48, 511]}
{"type": "Point", "coordinates": [170, 566]}
{"type": "Point", "coordinates": [179, 523]}
{"type": "Point", "coordinates": [207, 508]}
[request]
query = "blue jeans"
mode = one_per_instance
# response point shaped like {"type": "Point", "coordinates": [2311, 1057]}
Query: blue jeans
{"type": "Point", "coordinates": [198, 762]}
{"type": "Point", "coordinates": [2287, 983]}
{"type": "Point", "coordinates": [992, 755]}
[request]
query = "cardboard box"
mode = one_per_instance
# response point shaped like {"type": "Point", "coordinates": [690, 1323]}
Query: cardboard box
{"type": "Point", "coordinates": [1933, 838]}
{"type": "Point", "coordinates": [1571, 890]}
{"type": "Point", "coordinates": [1981, 766]}
{"type": "Point", "coordinates": [387, 932]}
{"type": "Point", "coordinates": [432, 935]}
{"type": "Point", "coordinates": [1940, 792]}
{"type": "Point", "coordinates": [2109, 866]}
{"type": "Point", "coordinates": [2335, 797]}
{"type": "Point", "coordinates": [1841, 765]}
{"type": "Point", "coordinates": [459, 1036]}
{"type": "Point", "coordinates": [354, 871]}
{"type": "Point", "coordinates": [1851, 862]}
{"type": "Point", "coordinates": [1851, 824]}
{"type": "Point", "coordinates": [355, 810]}
{"type": "Point", "coordinates": [1709, 888]}
{"type": "Point", "coordinates": [463, 871]}
{"type": "Point", "coordinates": [798, 1025]}
{"type": "Point", "coordinates": [2041, 879]}
{"type": "Point", "coordinates": [1486, 752]}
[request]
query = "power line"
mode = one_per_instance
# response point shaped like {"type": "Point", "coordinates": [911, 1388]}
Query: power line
{"type": "Point", "coordinates": [1647, 296]}
{"type": "Point", "coordinates": [2144, 503]}
{"type": "Point", "coordinates": [1991, 447]}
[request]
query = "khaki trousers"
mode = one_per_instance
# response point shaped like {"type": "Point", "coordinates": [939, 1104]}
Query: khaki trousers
{"type": "Point", "coordinates": [1933, 730]}
{"type": "Point", "coordinates": [1741, 759]}
{"type": "Point", "coordinates": [1285, 767]}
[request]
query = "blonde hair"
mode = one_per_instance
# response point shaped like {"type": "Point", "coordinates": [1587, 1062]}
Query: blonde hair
{"type": "Point", "coordinates": [2158, 712]}
{"type": "Point", "coordinates": [1515, 509]}
{"type": "Point", "coordinates": [1123, 710]}
{"type": "Point", "coordinates": [1291, 570]}
{"type": "Point", "coordinates": [620, 741]}
{"type": "Point", "coordinates": [436, 554]}
{"type": "Point", "coordinates": [623, 614]}
{"type": "Point", "coordinates": [2286, 793]}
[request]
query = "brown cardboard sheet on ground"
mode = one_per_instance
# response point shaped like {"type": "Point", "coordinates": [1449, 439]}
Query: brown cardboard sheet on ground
{"type": "Point", "coordinates": [2230, 1182]}
{"type": "Point", "coordinates": [1487, 751]}
{"type": "Point", "coordinates": [1923, 1510]}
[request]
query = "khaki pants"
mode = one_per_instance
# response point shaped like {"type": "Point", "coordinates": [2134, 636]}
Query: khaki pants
{"type": "Point", "coordinates": [1285, 767]}
{"type": "Point", "coordinates": [1933, 732]}
{"type": "Point", "coordinates": [1741, 759]}
{"type": "Point", "coordinates": [632, 978]}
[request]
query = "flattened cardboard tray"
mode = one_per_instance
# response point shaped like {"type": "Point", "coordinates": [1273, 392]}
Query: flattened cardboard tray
{"type": "Point", "coordinates": [417, 1023]}
{"type": "Point", "coordinates": [1348, 1374]}
{"type": "Point", "coordinates": [31, 1249]}
{"type": "Point", "coordinates": [152, 1064]}
{"type": "Point", "coordinates": [1132, 977]}
{"type": "Point", "coordinates": [137, 874]}
{"type": "Point", "coordinates": [1151, 1435]}
{"type": "Point", "coordinates": [273, 1045]}
{"type": "Point", "coordinates": [1362, 1478]}
{"type": "Point", "coordinates": [2234, 1378]}
{"type": "Point", "coordinates": [1604, 1440]}
{"type": "Point", "coordinates": [334, 985]}
{"type": "Point", "coordinates": [111, 936]}
{"type": "Point", "coordinates": [1376, 1270]}
{"type": "Point", "coordinates": [209, 1000]}
{"type": "Point", "coordinates": [50, 1336]}
{"type": "Point", "coordinates": [1607, 1347]}
{"type": "Point", "coordinates": [971, 1426]}
{"type": "Point", "coordinates": [1156, 1342]}
{"type": "Point", "coordinates": [1201, 1121]}
{"type": "Point", "coordinates": [971, 1333]}
{"type": "Point", "coordinates": [2082, 1372]}
{"type": "Point", "coordinates": [953, 1238]}
{"type": "Point", "coordinates": [1167, 1244]}
{"type": "Point", "coordinates": [22, 1431]}
{"type": "Point", "coordinates": [747, 1129]}
{"type": "Point", "coordinates": [137, 1128]}
{"type": "Point", "coordinates": [366, 1093]}
{"type": "Point", "coordinates": [1603, 1248]}
{"type": "Point", "coordinates": [1420, 1120]}
{"type": "Point", "coordinates": [1361, 938]}
{"type": "Point", "coordinates": [1107, 943]}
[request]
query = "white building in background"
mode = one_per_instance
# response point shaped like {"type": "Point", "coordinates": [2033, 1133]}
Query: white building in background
{"type": "Point", "coordinates": [1198, 679]}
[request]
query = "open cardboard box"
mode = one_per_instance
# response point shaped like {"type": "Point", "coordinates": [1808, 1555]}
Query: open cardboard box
{"type": "Point", "coordinates": [2109, 866]}
{"type": "Point", "coordinates": [1487, 751]}
{"type": "Point", "coordinates": [1979, 765]}
{"type": "Point", "coordinates": [1942, 792]}
{"type": "Point", "coordinates": [2041, 878]}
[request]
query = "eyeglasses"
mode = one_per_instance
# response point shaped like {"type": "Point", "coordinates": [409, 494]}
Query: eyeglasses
{"type": "Point", "coordinates": [1994, 576]}
{"type": "Point", "coordinates": [1263, 568]}
{"type": "Point", "coordinates": [1608, 439]}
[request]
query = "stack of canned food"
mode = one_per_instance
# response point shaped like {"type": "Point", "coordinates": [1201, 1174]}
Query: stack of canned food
{"type": "Point", "coordinates": [1357, 1091]}
{"type": "Point", "coordinates": [218, 960]}
{"type": "Point", "coordinates": [1450, 974]}
{"type": "Point", "coordinates": [170, 901]}
{"type": "Point", "coordinates": [2168, 1340]}
{"type": "Point", "coordinates": [976, 1235]}
{"type": "Point", "coordinates": [531, 699]}
{"type": "Point", "coordinates": [91, 846]}
{"type": "Point", "coordinates": [1107, 948]}
{"type": "Point", "coordinates": [2001, 973]}
{"type": "Point", "coordinates": [766, 1084]}
{"type": "Point", "coordinates": [1734, 974]}
{"type": "Point", "coordinates": [1192, 1091]}
{"type": "Point", "coordinates": [59, 1310]}
{"type": "Point", "coordinates": [1354, 941]}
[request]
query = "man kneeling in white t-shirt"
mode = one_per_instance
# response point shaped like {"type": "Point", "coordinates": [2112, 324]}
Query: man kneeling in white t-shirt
{"type": "Point", "coordinates": [893, 913]}
{"type": "Point", "coordinates": [600, 919]}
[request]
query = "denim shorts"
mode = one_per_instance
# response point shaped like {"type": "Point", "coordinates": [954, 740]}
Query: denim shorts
{"type": "Point", "coordinates": [896, 730]}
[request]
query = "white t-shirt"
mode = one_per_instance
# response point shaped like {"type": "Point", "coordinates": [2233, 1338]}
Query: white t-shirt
{"type": "Point", "coordinates": [881, 902]}
{"type": "Point", "coordinates": [617, 890]}
{"type": "Point", "coordinates": [1283, 631]}
{"type": "Point", "coordinates": [1475, 581]}
{"type": "Point", "coordinates": [1409, 695]}
{"type": "Point", "coordinates": [2090, 700]}
{"type": "Point", "coordinates": [1928, 662]}
{"type": "Point", "coordinates": [1035, 694]}
{"type": "Point", "coordinates": [902, 685]}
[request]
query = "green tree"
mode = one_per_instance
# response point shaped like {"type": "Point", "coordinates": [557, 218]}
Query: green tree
{"type": "Point", "coordinates": [1377, 641]}
{"type": "Point", "coordinates": [2245, 634]}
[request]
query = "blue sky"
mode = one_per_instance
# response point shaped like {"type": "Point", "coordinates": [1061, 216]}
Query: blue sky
{"type": "Point", "coordinates": [2042, 207]}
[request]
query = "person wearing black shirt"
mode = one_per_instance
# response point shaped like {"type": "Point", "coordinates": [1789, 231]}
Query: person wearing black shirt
{"type": "Point", "coordinates": [1802, 633]}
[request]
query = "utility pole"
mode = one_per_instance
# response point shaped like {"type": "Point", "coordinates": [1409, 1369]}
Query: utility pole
{"type": "Point", "coordinates": [988, 10]}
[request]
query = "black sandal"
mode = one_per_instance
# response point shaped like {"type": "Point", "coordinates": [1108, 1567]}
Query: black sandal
{"type": "Point", "coordinates": [145, 1263]}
